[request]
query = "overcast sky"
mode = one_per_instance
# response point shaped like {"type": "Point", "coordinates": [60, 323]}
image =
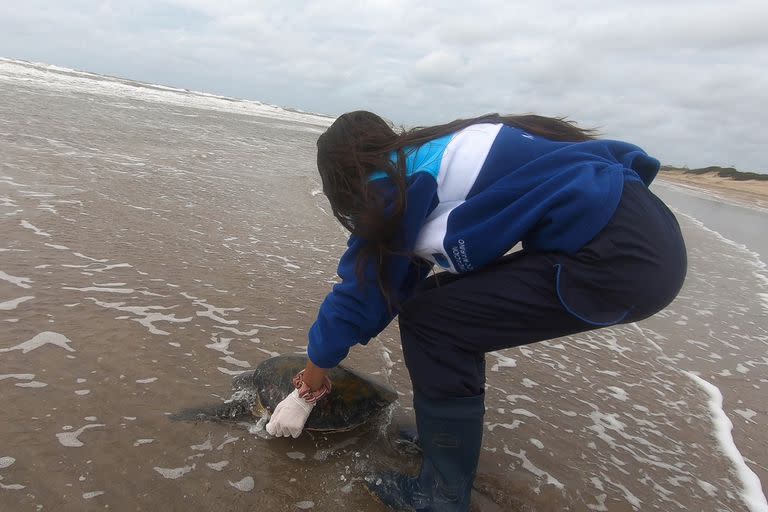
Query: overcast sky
{"type": "Point", "coordinates": [687, 80]}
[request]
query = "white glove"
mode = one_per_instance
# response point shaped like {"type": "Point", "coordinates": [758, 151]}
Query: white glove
{"type": "Point", "coordinates": [290, 416]}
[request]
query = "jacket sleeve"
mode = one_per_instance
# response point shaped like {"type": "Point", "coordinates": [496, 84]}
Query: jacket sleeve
{"type": "Point", "coordinates": [356, 310]}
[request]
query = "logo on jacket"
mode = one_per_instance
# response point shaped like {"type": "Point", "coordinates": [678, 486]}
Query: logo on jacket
{"type": "Point", "coordinates": [461, 257]}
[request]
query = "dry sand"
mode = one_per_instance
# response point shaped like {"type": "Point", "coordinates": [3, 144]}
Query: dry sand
{"type": "Point", "coordinates": [748, 192]}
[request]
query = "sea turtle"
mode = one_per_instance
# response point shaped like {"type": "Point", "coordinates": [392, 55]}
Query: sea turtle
{"type": "Point", "coordinates": [353, 401]}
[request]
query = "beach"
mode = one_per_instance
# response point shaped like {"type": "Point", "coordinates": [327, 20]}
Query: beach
{"type": "Point", "coordinates": [749, 192]}
{"type": "Point", "coordinates": [154, 243]}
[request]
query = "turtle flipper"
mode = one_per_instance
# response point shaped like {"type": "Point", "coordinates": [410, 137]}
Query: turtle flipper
{"type": "Point", "coordinates": [228, 411]}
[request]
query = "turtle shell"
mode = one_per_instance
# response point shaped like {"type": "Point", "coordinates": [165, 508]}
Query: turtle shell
{"type": "Point", "coordinates": [353, 400]}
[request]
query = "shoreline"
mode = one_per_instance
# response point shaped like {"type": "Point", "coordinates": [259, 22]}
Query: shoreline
{"type": "Point", "coordinates": [747, 192]}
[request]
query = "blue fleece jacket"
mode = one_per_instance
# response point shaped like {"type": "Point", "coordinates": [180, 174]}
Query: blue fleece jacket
{"type": "Point", "coordinates": [471, 197]}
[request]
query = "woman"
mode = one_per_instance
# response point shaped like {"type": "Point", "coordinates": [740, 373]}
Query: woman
{"type": "Point", "coordinates": [598, 249]}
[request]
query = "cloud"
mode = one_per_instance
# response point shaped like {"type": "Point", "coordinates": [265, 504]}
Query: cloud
{"type": "Point", "coordinates": [685, 79]}
{"type": "Point", "coordinates": [439, 67]}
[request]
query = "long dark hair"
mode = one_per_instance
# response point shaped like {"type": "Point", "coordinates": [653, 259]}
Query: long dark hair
{"type": "Point", "coordinates": [359, 143]}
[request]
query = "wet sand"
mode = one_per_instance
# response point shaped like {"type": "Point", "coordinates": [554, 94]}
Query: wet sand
{"type": "Point", "coordinates": [153, 246]}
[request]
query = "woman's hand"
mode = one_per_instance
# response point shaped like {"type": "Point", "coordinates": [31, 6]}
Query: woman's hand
{"type": "Point", "coordinates": [291, 414]}
{"type": "Point", "coordinates": [314, 376]}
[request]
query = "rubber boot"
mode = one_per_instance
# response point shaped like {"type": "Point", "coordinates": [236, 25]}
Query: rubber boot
{"type": "Point", "coordinates": [450, 433]}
